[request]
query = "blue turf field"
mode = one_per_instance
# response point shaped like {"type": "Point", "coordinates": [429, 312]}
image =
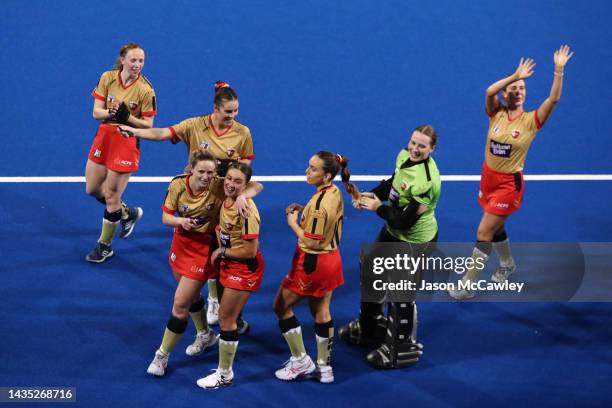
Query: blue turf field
{"type": "Point", "coordinates": [353, 77]}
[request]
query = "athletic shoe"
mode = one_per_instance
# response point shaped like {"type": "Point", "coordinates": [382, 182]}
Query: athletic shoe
{"type": "Point", "coordinates": [406, 355]}
{"type": "Point", "coordinates": [127, 224]}
{"type": "Point", "coordinates": [296, 367]}
{"type": "Point", "coordinates": [159, 363]}
{"type": "Point", "coordinates": [212, 311]}
{"type": "Point", "coordinates": [326, 374]}
{"type": "Point", "coordinates": [502, 273]}
{"type": "Point", "coordinates": [203, 340]}
{"type": "Point", "coordinates": [461, 294]}
{"type": "Point", "coordinates": [243, 326]}
{"type": "Point", "coordinates": [99, 253]}
{"type": "Point", "coordinates": [353, 333]}
{"type": "Point", "coordinates": [217, 379]}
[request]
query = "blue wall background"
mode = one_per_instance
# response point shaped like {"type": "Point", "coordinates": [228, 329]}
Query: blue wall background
{"type": "Point", "coordinates": [350, 76]}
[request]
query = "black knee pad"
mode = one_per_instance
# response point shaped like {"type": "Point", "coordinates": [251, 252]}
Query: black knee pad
{"type": "Point", "coordinates": [114, 216]}
{"type": "Point", "coordinates": [500, 236]}
{"type": "Point", "coordinates": [484, 247]}
{"type": "Point", "coordinates": [176, 325]}
{"type": "Point", "coordinates": [229, 335]}
{"type": "Point", "coordinates": [324, 329]}
{"type": "Point", "coordinates": [288, 324]}
{"type": "Point", "coordinates": [196, 306]}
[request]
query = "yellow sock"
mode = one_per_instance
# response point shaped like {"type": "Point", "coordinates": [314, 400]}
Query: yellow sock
{"type": "Point", "coordinates": [170, 340]}
{"type": "Point", "coordinates": [212, 288]}
{"type": "Point", "coordinates": [199, 320]}
{"type": "Point", "coordinates": [502, 249]}
{"type": "Point", "coordinates": [479, 260]}
{"type": "Point", "coordinates": [108, 231]}
{"type": "Point", "coordinates": [227, 352]}
{"type": "Point", "coordinates": [325, 340]}
{"type": "Point", "coordinates": [124, 210]}
{"type": "Point", "coordinates": [295, 341]}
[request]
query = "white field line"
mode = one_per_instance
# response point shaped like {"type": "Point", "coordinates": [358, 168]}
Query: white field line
{"type": "Point", "coordinates": [166, 179]}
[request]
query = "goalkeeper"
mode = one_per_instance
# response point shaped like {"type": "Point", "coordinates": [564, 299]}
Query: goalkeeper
{"type": "Point", "coordinates": [413, 192]}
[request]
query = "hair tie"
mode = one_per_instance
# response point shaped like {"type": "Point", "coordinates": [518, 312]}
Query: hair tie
{"type": "Point", "coordinates": [339, 159]}
{"type": "Point", "coordinates": [221, 84]}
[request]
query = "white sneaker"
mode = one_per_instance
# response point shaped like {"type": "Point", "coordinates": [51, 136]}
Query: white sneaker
{"type": "Point", "coordinates": [461, 294]}
{"type": "Point", "coordinates": [159, 363]}
{"type": "Point", "coordinates": [326, 374]}
{"type": "Point", "coordinates": [502, 273]}
{"type": "Point", "coordinates": [295, 367]}
{"type": "Point", "coordinates": [217, 379]}
{"type": "Point", "coordinates": [212, 311]}
{"type": "Point", "coordinates": [203, 340]}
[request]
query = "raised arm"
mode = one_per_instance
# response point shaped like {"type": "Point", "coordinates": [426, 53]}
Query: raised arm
{"type": "Point", "coordinates": [252, 189]}
{"type": "Point", "coordinates": [562, 55]}
{"type": "Point", "coordinates": [155, 134]}
{"type": "Point", "coordinates": [524, 70]}
{"type": "Point", "coordinates": [292, 213]}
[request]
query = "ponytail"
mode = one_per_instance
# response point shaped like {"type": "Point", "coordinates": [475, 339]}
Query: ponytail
{"type": "Point", "coordinates": [334, 163]}
{"type": "Point", "coordinates": [223, 92]}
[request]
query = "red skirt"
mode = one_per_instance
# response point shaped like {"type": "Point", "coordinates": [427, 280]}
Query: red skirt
{"type": "Point", "coordinates": [190, 255]}
{"type": "Point", "coordinates": [500, 193]}
{"type": "Point", "coordinates": [314, 274]}
{"type": "Point", "coordinates": [242, 275]}
{"type": "Point", "coordinates": [114, 151]}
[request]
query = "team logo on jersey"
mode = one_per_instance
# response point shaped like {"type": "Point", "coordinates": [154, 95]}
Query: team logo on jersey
{"type": "Point", "coordinates": [132, 104]}
{"type": "Point", "coordinates": [515, 133]}
{"type": "Point", "coordinates": [209, 206]}
{"type": "Point", "coordinates": [204, 145]}
{"type": "Point", "coordinates": [183, 208]}
{"type": "Point", "coordinates": [98, 153]}
{"type": "Point", "coordinates": [403, 186]}
{"type": "Point", "coordinates": [173, 257]}
{"type": "Point", "coordinates": [230, 151]}
{"type": "Point", "coordinates": [496, 129]}
{"type": "Point", "coordinates": [250, 283]}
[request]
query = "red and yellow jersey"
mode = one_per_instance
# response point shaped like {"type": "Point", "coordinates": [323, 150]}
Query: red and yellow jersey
{"type": "Point", "coordinates": [198, 133]}
{"type": "Point", "coordinates": [203, 207]}
{"type": "Point", "coordinates": [139, 96]}
{"type": "Point", "coordinates": [322, 219]}
{"type": "Point", "coordinates": [508, 140]}
{"type": "Point", "coordinates": [234, 230]}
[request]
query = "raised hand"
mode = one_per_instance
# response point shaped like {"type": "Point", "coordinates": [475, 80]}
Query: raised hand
{"type": "Point", "coordinates": [293, 207]}
{"type": "Point", "coordinates": [562, 55]}
{"type": "Point", "coordinates": [525, 68]}
{"type": "Point", "coordinates": [243, 207]}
